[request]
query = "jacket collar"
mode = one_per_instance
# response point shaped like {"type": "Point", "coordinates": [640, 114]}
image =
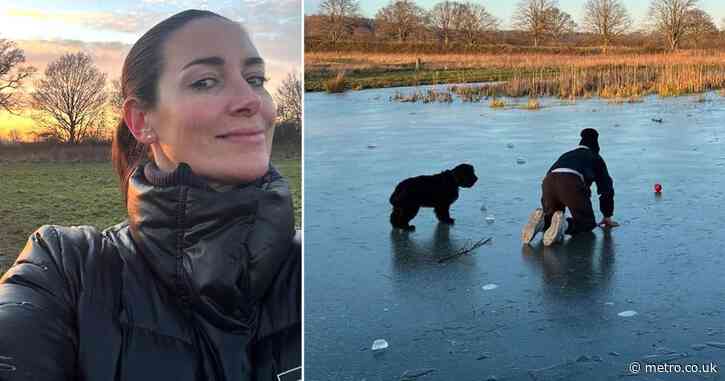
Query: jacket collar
{"type": "Point", "coordinates": [216, 252]}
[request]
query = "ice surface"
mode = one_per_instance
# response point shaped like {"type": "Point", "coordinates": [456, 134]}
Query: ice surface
{"type": "Point", "coordinates": [665, 259]}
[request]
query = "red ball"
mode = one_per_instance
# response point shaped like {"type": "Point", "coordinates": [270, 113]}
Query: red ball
{"type": "Point", "coordinates": [658, 188]}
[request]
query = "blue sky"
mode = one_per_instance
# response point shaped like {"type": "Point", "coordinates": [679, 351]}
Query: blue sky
{"type": "Point", "coordinates": [503, 9]}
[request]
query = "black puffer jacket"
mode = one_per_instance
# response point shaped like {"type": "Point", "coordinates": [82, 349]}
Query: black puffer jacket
{"type": "Point", "coordinates": [196, 285]}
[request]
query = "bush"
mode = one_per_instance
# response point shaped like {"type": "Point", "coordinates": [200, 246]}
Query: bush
{"type": "Point", "coordinates": [533, 104]}
{"type": "Point", "coordinates": [337, 84]}
{"type": "Point", "coordinates": [382, 47]}
{"type": "Point", "coordinates": [497, 103]}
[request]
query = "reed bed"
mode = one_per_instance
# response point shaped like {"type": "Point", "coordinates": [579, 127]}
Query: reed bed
{"type": "Point", "coordinates": [617, 81]}
{"type": "Point", "coordinates": [621, 83]}
{"type": "Point", "coordinates": [427, 96]}
{"type": "Point", "coordinates": [533, 104]}
{"type": "Point", "coordinates": [337, 84]}
{"type": "Point", "coordinates": [497, 103]}
{"type": "Point", "coordinates": [624, 78]}
{"type": "Point", "coordinates": [362, 61]}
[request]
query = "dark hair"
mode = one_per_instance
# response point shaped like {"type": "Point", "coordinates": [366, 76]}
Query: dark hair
{"type": "Point", "coordinates": [140, 79]}
{"type": "Point", "coordinates": [589, 138]}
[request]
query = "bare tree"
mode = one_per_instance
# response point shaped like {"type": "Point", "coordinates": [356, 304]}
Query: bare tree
{"type": "Point", "coordinates": [474, 20]}
{"type": "Point", "coordinates": [700, 26]}
{"type": "Point", "coordinates": [98, 131]}
{"type": "Point", "coordinates": [70, 98]}
{"type": "Point", "coordinates": [608, 19]}
{"type": "Point", "coordinates": [670, 18]}
{"type": "Point", "coordinates": [11, 78]}
{"type": "Point", "coordinates": [444, 18]}
{"type": "Point", "coordinates": [337, 15]}
{"type": "Point", "coordinates": [399, 19]}
{"type": "Point", "coordinates": [289, 98]}
{"type": "Point", "coordinates": [559, 24]}
{"type": "Point", "coordinates": [532, 16]}
{"type": "Point", "coordinates": [115, 100]}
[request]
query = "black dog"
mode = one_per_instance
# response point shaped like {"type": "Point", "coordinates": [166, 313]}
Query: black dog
{"type": "Point", "coordinates": [436, 191]}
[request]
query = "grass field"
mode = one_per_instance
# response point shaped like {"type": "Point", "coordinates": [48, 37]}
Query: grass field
{"type": "Point", "coordinates": [563, 75]}
{"type": "Point", "coordinates": [35, 194]}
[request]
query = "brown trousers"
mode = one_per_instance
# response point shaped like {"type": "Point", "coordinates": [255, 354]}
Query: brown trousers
{"type": "Point", "coordinates": [567, 190]}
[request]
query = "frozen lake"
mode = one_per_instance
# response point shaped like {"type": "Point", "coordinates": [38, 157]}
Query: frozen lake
{"type": "Point", "coordinates": [555, 314]}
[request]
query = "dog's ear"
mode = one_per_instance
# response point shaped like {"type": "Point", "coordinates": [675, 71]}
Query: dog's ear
{"type": "Point", "coordinates": [459, 174]}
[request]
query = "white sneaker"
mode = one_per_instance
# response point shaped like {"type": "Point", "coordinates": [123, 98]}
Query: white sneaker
{"type": "Point", "coordinates": [534, 226]}
{"type": "Point", "coordinates": [555, 232]}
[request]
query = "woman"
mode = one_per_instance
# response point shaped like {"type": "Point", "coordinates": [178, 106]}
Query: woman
{"type": "Point", "coordinates": [202, 282]}
{"type": "Point", "coordinates": [567, 185]}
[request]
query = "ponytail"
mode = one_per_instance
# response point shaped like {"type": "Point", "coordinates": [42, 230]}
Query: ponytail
{"type": "Point", "coordinates": [126, 154]}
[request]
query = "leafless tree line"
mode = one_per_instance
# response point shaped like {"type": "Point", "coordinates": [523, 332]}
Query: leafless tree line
{"type": "Point", "coordinates": [467, 22]}
{"type": "Point", "coordinates": [403, 20]}
{"type": "Point", "coordinates": [71, 100]}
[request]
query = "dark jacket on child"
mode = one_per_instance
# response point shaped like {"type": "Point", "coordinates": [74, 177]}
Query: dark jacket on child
{"type": "Point", "coordinates": [593, 168]}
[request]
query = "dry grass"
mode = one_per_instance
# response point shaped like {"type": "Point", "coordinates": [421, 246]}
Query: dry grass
{"type": "Point", "coordinates": [626, 77]}
{"type": "Point", "coordinates": [337, 84]}
{"type": "Point", "coordinates": [497, 103]}
{"type": "Point", "coordinates": [362, 61]}
{"type": "Point", "coordinates": [632, 99]}
{"type": "Point", "coordinates": [622, 81]}
{"type": "Point", "coordinates": [427, 96]}
{"type": "Point", "coordinates": [618, 83]}
{"type": "Point", "coordinates": [471, 93]}
{"type": "Point", "coordinates": [533, 104]}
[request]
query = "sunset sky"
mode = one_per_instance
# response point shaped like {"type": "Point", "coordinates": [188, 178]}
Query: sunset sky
{"type": "Point", "coordinates": [46, 29]}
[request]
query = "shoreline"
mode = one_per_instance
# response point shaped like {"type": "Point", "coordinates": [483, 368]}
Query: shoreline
{"type": "Point", "coordinates": [380, 79]}
{"type": "Point", "coordinates": [522, 75]}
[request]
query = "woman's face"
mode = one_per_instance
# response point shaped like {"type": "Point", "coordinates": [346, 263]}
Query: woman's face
{"type": "Point", "coordinates": [213, 111]}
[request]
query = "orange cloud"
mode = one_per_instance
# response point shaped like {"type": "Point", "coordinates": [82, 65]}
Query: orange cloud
{"type": "Point", "coordinates": [107, 56]}
{"type": "Point", "coordinates": [125, 22]}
